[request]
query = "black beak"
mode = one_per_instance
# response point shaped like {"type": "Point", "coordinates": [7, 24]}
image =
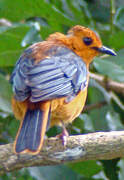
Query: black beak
{"type": "Point", "coordinates": [105, 50]}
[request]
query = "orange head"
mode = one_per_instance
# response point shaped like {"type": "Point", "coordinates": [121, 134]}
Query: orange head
{"type": "Point", "coordinates": [86, 43]}
{"type": "Point", "coordinates": [83, 41]}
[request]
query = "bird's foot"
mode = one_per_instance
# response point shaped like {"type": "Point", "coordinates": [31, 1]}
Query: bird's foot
{"type": "Point", "coordinates": [63, 136]}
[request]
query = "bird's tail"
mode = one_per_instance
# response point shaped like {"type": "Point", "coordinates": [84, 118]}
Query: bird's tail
{"type": "Point", "coordinates": [32, 130]}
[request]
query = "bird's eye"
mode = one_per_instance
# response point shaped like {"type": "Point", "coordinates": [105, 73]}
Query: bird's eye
{"type": "Point", "coordinates": [87, 40]}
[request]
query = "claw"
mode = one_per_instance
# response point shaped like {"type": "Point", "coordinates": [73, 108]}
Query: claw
{"type": "Point", "coordinates": [63, 136]}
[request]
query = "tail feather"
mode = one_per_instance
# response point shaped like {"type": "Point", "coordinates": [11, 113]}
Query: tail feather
{"type": "Point", "coordinates": [32, 130]}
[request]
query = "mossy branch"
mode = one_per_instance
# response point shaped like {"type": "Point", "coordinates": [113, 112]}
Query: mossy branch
{"type": "Point", "coordinates": [92, 146]}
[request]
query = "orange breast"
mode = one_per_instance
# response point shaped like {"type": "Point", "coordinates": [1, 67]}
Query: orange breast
{"type": "Point", "coordinates": [67, 112]}
{"type": "Point", "coordinates": [60, 111]}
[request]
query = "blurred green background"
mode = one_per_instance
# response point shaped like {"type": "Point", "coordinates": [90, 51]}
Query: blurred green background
{"type": "Point", "coordinates": [23, 22]}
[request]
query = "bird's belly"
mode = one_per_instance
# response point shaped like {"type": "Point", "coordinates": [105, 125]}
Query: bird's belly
{"type": "Point", "coordinates": [67, 112]}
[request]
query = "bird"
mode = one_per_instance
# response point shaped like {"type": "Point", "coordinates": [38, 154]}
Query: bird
{"type": "Point", "coordinates": [50, 81]}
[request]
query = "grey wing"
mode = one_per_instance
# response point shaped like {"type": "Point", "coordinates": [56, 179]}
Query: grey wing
{"type": "Point", "coordinates": [63, 74]}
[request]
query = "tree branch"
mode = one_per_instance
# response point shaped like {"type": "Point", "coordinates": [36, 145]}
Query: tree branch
{"type": "Point", "coordinates": [94, 106]}
{"type": "Point", "coordinates": [108, 83]}
{"type": "Point", "coordinates": [100, 145]}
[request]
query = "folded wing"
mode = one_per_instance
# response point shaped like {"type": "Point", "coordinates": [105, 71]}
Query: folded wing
{"type": "Point", "coordinates": [61, 74]}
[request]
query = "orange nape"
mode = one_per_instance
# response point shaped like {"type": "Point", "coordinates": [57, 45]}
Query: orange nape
{"type": "Point", "coordinates": [50, 82]}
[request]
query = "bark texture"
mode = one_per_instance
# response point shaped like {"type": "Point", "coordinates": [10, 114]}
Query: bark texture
{"type": "Point", "coordinates": [92, 146]}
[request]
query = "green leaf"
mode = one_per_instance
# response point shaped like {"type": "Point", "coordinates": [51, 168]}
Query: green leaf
{"type": "Point", "coordinates": [116, 40]}
{"type": "Point", "coordinates": [119, 59]}
{"type": "Point", "coordinates": [105, 117]}
{"type": "Point", "coordinates": [87, 168]}
{"type": "Point", "coordinates": [97, 116]}
{"type": "Point", "coordinates": [76, 9]}
{"type": "Point", "coordinates": [32, 35]}
{"type": "Point", "coordinates": [20, 175]}
{"type": "Point", "coordinates": [114, 121]}
{"type": "Point", "coordinates": [100, 10]}
{"type": "Point", "coordinates": [111, 169]}
{"type": "Point", "coordinates": [24, 9]}
{"type": "Point", "coordinates": [119, 18]}
{"type": "Point", "coordinates": [87, 121]}
{"type": "Point", "coordinates": [53, 173]}
{"type": "Point", "coordinates": [12, 126]}
{"type": "Point", "coordinates": [78, 125]}
{"type": "Point", "coordinates": [11, 45]}
{"type": "Point", "coordinates": [5, 95]}
{"type": "Point", "coordinates": [111, 68]}
{"type": "Point", "coordinates": [121, 168]}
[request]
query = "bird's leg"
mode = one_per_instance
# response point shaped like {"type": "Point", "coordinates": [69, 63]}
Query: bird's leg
{"type": "Point", "coordinates": [63, 136]}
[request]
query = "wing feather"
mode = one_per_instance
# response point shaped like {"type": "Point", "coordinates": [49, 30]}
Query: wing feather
{"type": "Point", "coordinates": [62, 74]}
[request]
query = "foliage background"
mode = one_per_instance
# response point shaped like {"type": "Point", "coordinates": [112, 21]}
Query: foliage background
{"type": "Point", "coordinates": [23, 22]}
